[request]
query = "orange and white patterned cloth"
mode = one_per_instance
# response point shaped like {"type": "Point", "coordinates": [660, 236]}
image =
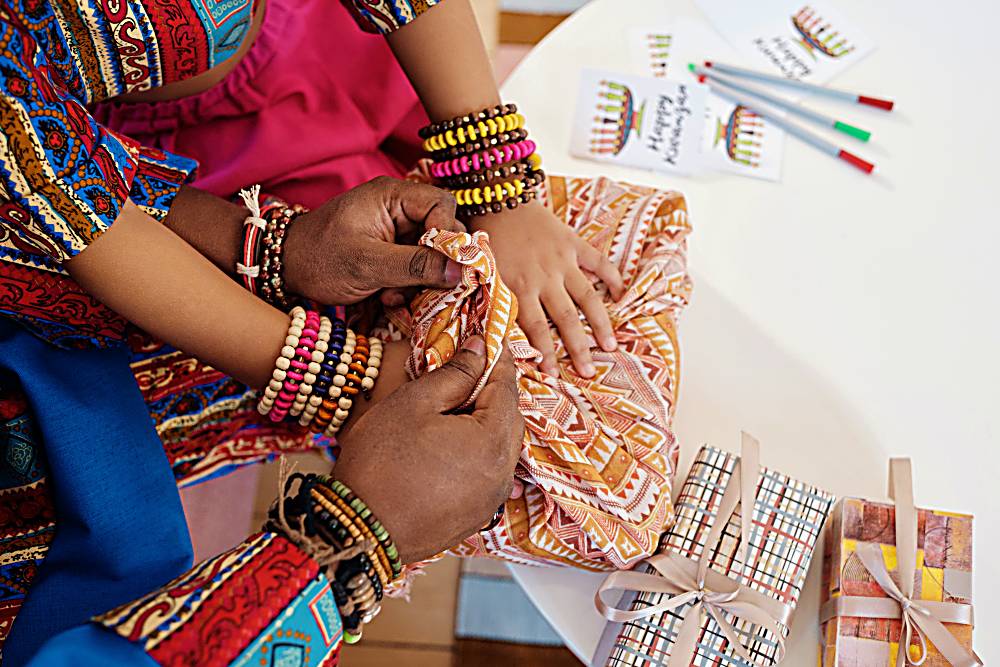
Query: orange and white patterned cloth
{"type": "Point", "coordinates": [598, 455]}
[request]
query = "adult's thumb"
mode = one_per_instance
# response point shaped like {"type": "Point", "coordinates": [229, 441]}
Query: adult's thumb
{"type": "Point", "coordinates": [452, 384]}
{"type": "Point", "coordinates": [415, 266]}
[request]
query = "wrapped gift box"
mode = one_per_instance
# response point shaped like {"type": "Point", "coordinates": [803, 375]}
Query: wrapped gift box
{"type": "Point", "coordinates": [788, 516]}
{"type": "Point", "coordinates": [943, 574]}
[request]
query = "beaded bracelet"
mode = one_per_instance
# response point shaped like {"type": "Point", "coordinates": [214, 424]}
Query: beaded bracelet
{"type": "Point", "coordinates": [358, 581]}
{"type": "Point", "coordinates": [293, 377]}
{"type": "Point", "coordinates": [480, 129]}
{"type": "Point", "coordinates": [478, 161]}
{"type": "Point", "coordinates": [299, 364]}
{"type": "Point", "coordinates": [489, 112]}
{"type": "Point", "coordinates": [356, 373]}
{"type": "Point", "coordinates": [309, 377]}
{"type": "Point", "coordinates": [489, 193]}
{"type": "Point", "coordinates": [382, 564]}
{"type": "Point", "coordinates": [492, 198]}
{"type": "Point", "coordinates": [253, 230]}
{"type": "Point", "coordinates": [373, 523]}
{"type": "Point", "coordinates": [502, 139]}
{"type": "Point", "coordinates": [520, 169]}
{"type": "Point", "coordinates": [283, 363]}
{"type": "Point", "coordinates": [327, 371]}
{"type": "Point", "coordinates": [357, 530]}
{"type": "Point", "coordinates": [272, 286]}
{"type": "Point", "coordinates": [334, 399]}
{"type": "Point", "coordinates": [360, 375]}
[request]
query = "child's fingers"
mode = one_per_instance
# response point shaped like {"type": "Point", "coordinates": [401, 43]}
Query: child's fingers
{"type": "Point", "coordinates": [531, 317]}
{"type": "Point", "coordinates": [590, 259]}
{"type": "Point", "coordinates": [593, 307]}
{"type": "Point", "coordinates": [566, 317]}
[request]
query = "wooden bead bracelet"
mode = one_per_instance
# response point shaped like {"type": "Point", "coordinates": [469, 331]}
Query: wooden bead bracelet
{"type": "Point", "coordinates": [327, 371]}
{"type": "Point", "coordinates": [490, 112]}
{"type": "Point", "coordinates": [272, 279]}
{"type": "Point", "coordinates": [321, 369]}
{"type": "Point", "coordinates": [480, 129]}
{"type": "Point", "coordinates": [497, 155]}
{"type": "Point", "coordinates": [328, 511]}
{"type": "Point", "coordinates": [480, 145]}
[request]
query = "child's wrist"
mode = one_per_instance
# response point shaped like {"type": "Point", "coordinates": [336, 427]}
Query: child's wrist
{"type": "Point", "coordinates": [493, 222]}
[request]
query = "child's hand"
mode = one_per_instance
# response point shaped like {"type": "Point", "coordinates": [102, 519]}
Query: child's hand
{"type": "Point", "coordinates": [540, 259]}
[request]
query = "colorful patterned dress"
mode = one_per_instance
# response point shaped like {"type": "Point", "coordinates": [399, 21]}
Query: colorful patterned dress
{"type": "Point", "coordinates": [65, 178]}
{"type": "Point", "coordinates": [598, 455]}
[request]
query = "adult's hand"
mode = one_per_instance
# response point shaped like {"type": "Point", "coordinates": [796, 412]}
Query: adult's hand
{"type": "Point", "coordinates": [354, 245]}
{"type": "Point", "coordinates": [430, 476]}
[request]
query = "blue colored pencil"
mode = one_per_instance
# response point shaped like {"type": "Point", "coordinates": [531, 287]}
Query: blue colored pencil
{"type": "Point", "coordinates": [791, 107]}
{"type": "Point", "coordinates": [802, 85]}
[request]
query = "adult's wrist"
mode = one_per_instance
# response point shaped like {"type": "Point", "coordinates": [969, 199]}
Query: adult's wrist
{"type": "Point", "coordinates": [300, 267]}
{"type": "Point", "coordinates": [324, 518]}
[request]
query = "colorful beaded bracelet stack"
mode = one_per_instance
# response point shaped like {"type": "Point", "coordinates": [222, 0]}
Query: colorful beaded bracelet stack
{"type": "Point", "coordinates": [358, 531]}
{"type": "Point", "coordinates": [356, 373]}
{"type": "Point", "coordinates": [377, 529]}
{"type": "Point", "coordinates": [327, 370]}
{"type": "Point", "coordinates": [322, 368]}
{"type": "Point", "coordinates": [265, 229]}
{"type": "Point", "coordinates": [329, 511]}
{"type": "Point", "coordinates": [485, 159]}
{"type": "Point", "coordinates": [486, 143]}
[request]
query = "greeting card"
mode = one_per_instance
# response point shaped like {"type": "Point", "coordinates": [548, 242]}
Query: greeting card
{"type": "Point", "coordinates": [639, 121]}
{"type": "Point", "coordinates": [733, 139]}
{"type": "Point", "coordinates": [812, 42]}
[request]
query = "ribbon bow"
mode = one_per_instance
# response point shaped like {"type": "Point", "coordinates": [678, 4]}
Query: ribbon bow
{"type": "Point", "coordinates": [690, 582]}
{"type": "Point", "coordinates": [923, 618]}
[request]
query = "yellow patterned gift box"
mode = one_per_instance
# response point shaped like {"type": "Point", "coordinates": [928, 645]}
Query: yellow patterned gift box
{"type": "Point", "coordinates": [894, 574]}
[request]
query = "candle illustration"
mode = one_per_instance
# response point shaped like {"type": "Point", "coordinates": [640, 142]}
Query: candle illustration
{"type": "Point", "coordinates": [659, 53]}
{"type": "Point", "coordinates": [742, 135]}
{"type": "Point", "coordinates": [817, 35]}
{"type": "Point", "coordinates": [617, 119]}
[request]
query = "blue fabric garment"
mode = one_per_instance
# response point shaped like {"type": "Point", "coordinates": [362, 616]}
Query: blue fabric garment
{"type": "Point", "coordinates": [93, 646]}
{"type": "Point", "coordinates": [120, 526]}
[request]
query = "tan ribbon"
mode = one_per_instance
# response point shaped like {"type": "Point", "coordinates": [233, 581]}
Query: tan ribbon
{"type": "Point", "coordinates": [923, 618]}
{"type": "Point", "coordinates": [709, 592]}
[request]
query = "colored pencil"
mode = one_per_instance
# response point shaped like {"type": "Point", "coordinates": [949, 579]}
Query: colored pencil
{"type": "Point", "coordinates": [801, 85]}
{"type": "Point", "coordinates": [791, 107]}
{"type": "Point", "coordinates": [791, 128]}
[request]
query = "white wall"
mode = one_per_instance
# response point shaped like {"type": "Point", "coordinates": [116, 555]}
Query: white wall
{"type": "Point", "coordinates": [541, 6]}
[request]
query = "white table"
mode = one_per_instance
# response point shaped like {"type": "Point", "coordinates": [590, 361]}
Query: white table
{"type": "Point", "coordinates": [840, 318]}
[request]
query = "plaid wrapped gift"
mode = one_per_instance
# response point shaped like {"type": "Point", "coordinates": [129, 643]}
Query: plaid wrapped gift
{"type": "Point", "coordinates": [939, 559]}
{"type": "Point", "coordinates": [787, 518]}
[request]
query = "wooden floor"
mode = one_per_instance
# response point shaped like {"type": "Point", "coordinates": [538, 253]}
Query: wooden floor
{"type": "Point", "coordinates": [473, 653]}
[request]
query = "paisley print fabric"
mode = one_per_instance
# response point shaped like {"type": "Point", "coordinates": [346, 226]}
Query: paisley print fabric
{"type": "Point", "coordinates": [262, 602]}
{"type": "Point", "coordinates": [27, 509]}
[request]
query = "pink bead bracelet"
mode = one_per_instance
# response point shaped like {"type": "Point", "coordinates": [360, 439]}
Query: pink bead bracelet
{"type": "Point", "coordinates": [484, 159]}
